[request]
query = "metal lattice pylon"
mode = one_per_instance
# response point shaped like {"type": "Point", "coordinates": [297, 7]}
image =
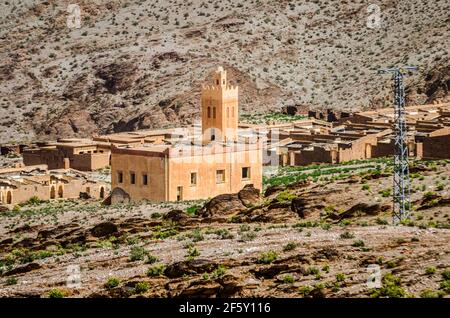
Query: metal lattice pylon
{"type": "Point", "coordinates": [401, 193]}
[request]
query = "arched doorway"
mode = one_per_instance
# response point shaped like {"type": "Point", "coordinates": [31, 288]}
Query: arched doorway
{"type": "Point", "coordinates": [52, 192]}
{"type": "Point", "coordinates": [9, 197]}
{"type": "Point", "coordinates": [60, 192]}
{"type": "Point", "coordinates": [102, 193]}
{"type": "Point", "coordinates": [368, 152]}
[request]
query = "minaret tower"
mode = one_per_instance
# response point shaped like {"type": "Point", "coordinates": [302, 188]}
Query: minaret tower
{"type": "Point", "coordinates": [220, 111]}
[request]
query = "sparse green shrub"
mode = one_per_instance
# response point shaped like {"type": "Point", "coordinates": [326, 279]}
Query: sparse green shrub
{"type": "Point", "coordinates": [305, 290]}
{"type": "Point", "coordinates": [267, 258]}
{"type": "Point", "coordinates": [11, 281]}
{"type": "Point", "coordinates": [391, 264]}
{"type": "Point", "coordinates": [192, 210]}
{"type": "Point", "coordinates": [428, 293]}
{"type": "Point", "coordinates": [192, 253]}
{"type": "Point", "coordinates": [288, 279]}
{"type": "Point", "coordinates": [141, 287]}
{"type": "Point", "coordinates": [445, 286]}
{"type": "Point", "coordinates": [34, 200]}
{"type": "Point", "coordinates": [112, 282]}
{"type": "Point", "coordinates": [56, 293]}
{"type": "Point", "coordinates": [391, 288]}
{"type": "Point", "coordinates": [138, 253]}
{"type": "Point", "coordinates": [446, 274]}
{"type": "Point", "coordinates": [305, 224]}
{"type": "Point", "coordinates": [385, 193]}
{"type": "Point", "coordinates": [197, 235]}
{"type": "Point", "coordinates": [219, 271]}
{"type": "Point", "coordinates": [358, 243]}
{"type": "Point", "coordinates": [429, 195]}
{"type": "Point", "coordinates": [430, 270]}
{"type": "Point", "coordinates": [340, 277]}
{"type": "Point", "coordinates": [157, 270]}
{"type": "Point", "coordinates": [285, 196]}
{"type": "Point", "coordinates": [244, 228]}
{"type": "Point", "coordinates": [151, 259]}
{"type": "Point", "coordinates": [312, 271]}
{"type": "Point", "coordinates": [224, 234]}
{"type": "Point", "coordinates": [163, 234]}
{"type": "Point", "coordinates": [347, 235]}
{"type": "Point", "coordinates": [156, 215]}
{"type": "Point", "coordinates": [290, 246]}
{"type": "Point", "coordinates": [381, 221]}
{"type": "Point", "coordinates": [247, 236]}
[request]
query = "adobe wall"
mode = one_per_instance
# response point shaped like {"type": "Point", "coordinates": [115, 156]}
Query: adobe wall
{"type": "Point", "coordinates": [437, 147]}
{"type": "Point", "coordinates": [154, 166]}
{"type": "Point", "coordinates": [206, 166]}
{"type": "Point", "coordinates": [383, 150]}
{"type": "Point", "coordinates": [318, 155]}
{"type": "Point", "coordinates": [359, 149]}
{"type": "Point", "coordinates": [90, 161]}
{"type": "Point", "coordinates": [54, 159]}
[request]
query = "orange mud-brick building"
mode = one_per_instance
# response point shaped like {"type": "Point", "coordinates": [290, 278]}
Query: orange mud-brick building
{"type": "Point", "coordinates": [19, 185]}
{"type": "Point", "coordinates": [79, 154]}
{"type": "Point", "coordinates": [191, 167]}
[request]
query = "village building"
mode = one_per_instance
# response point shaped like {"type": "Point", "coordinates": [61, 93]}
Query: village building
{"type": "Point", "coordinates": [18, 185]}
{"type": "Point", "coordinates": [192, 165]}
{"type": "Point", "coordinates": [362, 135]}
{"type": "Point", "coordinates": [79, 154]}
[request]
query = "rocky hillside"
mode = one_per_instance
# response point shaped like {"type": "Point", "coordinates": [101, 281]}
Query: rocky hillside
{"type": "Point", "coordinates": [314, 237]}
{"type": "Point", "coordinates": [139, 63]}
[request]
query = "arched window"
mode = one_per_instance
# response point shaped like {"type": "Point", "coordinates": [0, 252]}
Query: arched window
{"type": "Point", "coordinates": [60, 192]}
{"type": "Point", "coordinates": [209, 112]}
{"type": "Point", "coordinates": [9, 197]}
{"type": "Point", "coordinates": [217, 82]}
{"type": "Point", "coordinates": [214, 112]}
{"type": "Point", "coordinates": [52, 192]}
{"type": "Point", "coordinates": [102, 193]}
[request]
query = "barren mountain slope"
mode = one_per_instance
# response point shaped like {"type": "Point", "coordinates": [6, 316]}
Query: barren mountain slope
{"type": "Point", "coordinates": [139, 64]}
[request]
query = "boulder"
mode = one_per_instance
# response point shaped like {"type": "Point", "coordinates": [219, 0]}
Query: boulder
{"type": "Point", "coordinates": [190, 267]}
{"type": "Point", "coordinates": [23, 269]}
{"type": "Point", "coordinates": [85, 196]}
{"type": "Point", "coordinates": [107, 200]}
{"type": "Point", "coordinates": [119, 196]}
{"type": "Point", "coordinates": [205, 289]}
{"type": "Point", "coordinates": [301, 207]}
{"type": "Point", "coordinates": [249, 196]}
{"type": "Point", "coordinates": [270, 271]}
{"type": "Point", "coordinates": [176, 216]}
{"type": "Point", "coordinates": [273, 189]}
{"type": "Point", "coordinates": [364, 208]}
{"type": "Point", "coordinates": [327, 253]}
{"type": "Point", "coordinates": [223, 204]}
{"type": "Point", "coordinates": [104, 229]}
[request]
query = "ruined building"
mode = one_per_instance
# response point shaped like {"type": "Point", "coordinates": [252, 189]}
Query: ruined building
{"type": "Point", "coordinates": [192, 164]}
